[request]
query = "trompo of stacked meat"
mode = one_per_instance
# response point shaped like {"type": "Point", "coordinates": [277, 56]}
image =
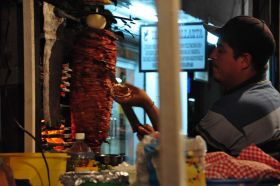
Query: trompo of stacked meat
{"type": "Point", "coordinates": [93, 60]}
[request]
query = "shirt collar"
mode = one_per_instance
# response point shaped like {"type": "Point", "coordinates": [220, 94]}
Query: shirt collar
{"type": "Point", "coordinates": [254, 79]}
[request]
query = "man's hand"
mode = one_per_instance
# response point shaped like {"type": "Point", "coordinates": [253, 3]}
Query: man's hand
{"type": "Point", "coordinates": [143, 130]}
{"type": "Point", "coordinates": [137, 98]}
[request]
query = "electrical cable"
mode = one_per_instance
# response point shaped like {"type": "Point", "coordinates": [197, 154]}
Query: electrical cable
{"type": "Point", "coordinates": [41, 150]}
{"type": "Point", "coordinates": [8, 105]}
{"type": "Point", "coordinates": [38, 143]}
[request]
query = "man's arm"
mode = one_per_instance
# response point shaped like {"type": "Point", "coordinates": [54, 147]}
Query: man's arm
{"type": "Point", "coordinates": [153, 113]}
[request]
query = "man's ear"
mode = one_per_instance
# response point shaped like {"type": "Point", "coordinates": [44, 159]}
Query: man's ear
{"type": "Point", "coordinates": [246, 60]}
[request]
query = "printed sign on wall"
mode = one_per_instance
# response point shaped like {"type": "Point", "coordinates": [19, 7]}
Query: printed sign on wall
{"type": "Point", "coordinates": [192, 47]}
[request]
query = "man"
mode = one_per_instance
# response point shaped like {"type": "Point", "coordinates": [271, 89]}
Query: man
{"type": "Point", "coordinates": [249, 113]}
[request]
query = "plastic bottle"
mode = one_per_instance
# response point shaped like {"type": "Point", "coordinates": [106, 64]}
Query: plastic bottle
{"type": "Point", "coordinates": [80, 145]}
{"type": "Point", "coordinates": [195, 161]}
{"type": "Point", "coordinates": [80, 153]}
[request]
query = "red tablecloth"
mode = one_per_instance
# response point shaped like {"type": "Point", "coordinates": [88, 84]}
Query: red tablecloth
{"type": "Point", "coordinates": [252, 163]}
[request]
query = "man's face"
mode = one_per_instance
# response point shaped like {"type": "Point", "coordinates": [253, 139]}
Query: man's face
{"type": "Point", "coordinates": [225, 67]}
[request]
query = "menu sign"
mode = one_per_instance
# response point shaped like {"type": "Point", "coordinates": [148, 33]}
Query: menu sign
{"type": "Point", "coordinates": [192, 47]}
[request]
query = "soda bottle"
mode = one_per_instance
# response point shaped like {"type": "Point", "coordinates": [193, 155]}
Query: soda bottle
{"type": "Point", "coordinates": [80, 153]}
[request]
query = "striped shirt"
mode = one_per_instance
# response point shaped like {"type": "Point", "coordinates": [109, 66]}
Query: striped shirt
{"type": "Point", "coordinates": [249, 115]}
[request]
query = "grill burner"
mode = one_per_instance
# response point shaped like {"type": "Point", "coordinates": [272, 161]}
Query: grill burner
{"type": "Point", "coordinates": [57, 139]}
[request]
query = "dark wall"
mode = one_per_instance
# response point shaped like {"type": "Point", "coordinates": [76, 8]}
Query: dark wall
{"type": "Point", "coordinates": [11, 76]}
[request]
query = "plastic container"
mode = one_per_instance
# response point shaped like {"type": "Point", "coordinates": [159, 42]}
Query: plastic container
{"type": "Point", "coordinates": [195, 149]}
{"type": "Point", "coordinates": [31, 166]}
{"type": "Point", "coordinates": [80, 153]}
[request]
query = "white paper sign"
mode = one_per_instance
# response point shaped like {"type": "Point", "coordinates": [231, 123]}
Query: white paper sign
{"type": "Point", "coordinates": [192, 47]}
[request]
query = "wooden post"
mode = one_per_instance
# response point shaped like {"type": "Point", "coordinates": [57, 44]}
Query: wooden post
{"type": "Point", "coordinates": [171, 149]}
{"type": "Point", "coordinates": [29, 73]}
